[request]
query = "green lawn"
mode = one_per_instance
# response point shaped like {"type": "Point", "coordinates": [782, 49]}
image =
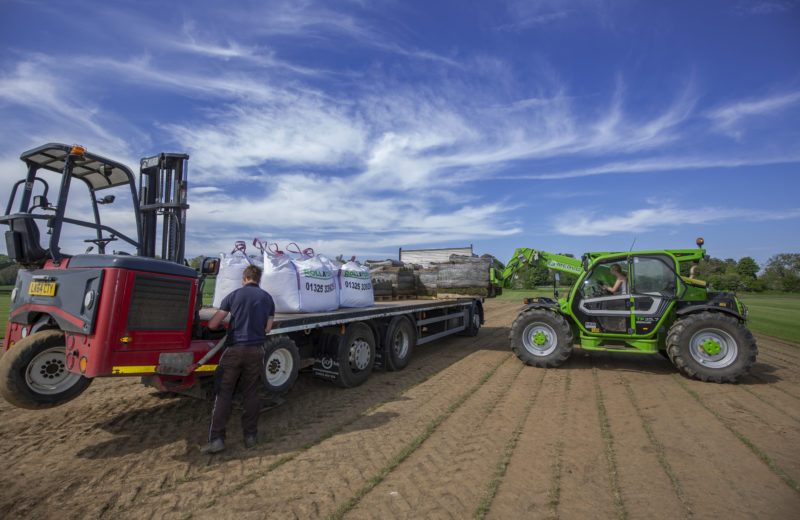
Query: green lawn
{"type": "Point", "coordinates": [776, 314]}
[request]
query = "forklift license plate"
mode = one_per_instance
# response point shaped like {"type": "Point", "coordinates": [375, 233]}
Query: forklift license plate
{"type": "Point", "coordinates": [42, 288]}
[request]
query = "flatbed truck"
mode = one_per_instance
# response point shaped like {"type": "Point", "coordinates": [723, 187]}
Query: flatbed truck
{"type": "Point", "coordinates": [77, 317]}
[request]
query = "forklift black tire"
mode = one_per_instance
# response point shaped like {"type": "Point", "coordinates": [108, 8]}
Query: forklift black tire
{"type": "Point", "coordinates": [356, 355]}
{"type": "Point", "coordinates": [541, 338]}
{"type": "Point", "coordinates": [34, 375]}
{"type": "Point", "coordinates": [281, 365]}
{"type": "Point", "coordinates": [401, 337]}
{"type": "Point", "coordinates": [473, 325]}
{"type": "Point", "coordinates": [711, 346]}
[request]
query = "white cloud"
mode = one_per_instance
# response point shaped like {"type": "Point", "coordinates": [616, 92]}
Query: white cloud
{"type": "Point", "coordinates": [727, 119]}
{"type": "Point", "coordinates": [658, 164]}
{"type": "Point", "coordinates": [664, 215]}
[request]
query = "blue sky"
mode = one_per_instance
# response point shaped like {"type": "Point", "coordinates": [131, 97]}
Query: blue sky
{"type": "Point", "coordinates": [359, 127]}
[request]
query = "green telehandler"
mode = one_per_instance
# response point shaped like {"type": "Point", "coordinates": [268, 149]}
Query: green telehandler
{"type": "Point", "coordinates": [653, 310]}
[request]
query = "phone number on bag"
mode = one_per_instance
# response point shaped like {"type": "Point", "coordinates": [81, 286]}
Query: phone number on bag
{"type": "Point", "coordinates": [319, 288]}
{"type": "Point", "coordinates": [358, 286]}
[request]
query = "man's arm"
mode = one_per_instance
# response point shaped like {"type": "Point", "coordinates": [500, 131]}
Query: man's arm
{"type": "Point", "coordinates": [216, 320]}
{"type": "Point", "coordinates": [269, 324]}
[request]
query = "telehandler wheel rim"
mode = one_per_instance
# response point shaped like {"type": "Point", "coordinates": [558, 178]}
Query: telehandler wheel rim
{"type": "Point", "coordinates": [400, 343]}
{"type": "Point", "coordinates": [47, 372]}
{"type": "Point", "coordinates": [360, 354]}
{"type": "Point", "coordinates": [279, 367]}
{"type": "Point", "coordinates": [539, 339]}
{"type": "Point", "coordinates": [713, 348]}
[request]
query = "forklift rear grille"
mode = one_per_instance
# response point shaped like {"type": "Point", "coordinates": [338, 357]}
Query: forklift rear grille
{"type": "Point", "coordinates": [159, 303]}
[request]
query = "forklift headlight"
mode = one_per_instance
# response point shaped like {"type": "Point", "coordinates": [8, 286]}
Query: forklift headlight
{"type": "Point", "coordinates": [88, 300]}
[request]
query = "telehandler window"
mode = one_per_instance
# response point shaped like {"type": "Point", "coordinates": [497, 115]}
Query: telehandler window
{"type": "Point", "coordinates": [653, 275]}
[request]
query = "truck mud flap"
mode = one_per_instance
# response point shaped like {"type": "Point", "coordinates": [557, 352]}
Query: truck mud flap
{"type": "Point", "coordinates": [326, 365]}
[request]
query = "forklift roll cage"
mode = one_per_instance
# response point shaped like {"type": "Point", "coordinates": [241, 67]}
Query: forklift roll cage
{"type": "Point", "coordinates": [163, 192]}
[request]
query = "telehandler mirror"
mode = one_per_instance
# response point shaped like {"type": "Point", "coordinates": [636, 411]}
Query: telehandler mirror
{"type": "Point", "coordinates": [209, 266]}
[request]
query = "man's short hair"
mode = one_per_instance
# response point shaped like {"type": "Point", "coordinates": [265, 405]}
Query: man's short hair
{"type": "Point", "coordinates": [252, 273]}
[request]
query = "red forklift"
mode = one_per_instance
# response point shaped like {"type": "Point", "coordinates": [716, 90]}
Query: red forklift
{"type": "Point", "coordinates": [76, 317]}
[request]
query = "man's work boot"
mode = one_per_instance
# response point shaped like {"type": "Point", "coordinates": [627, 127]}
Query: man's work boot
{"type": "Point", "coordinates": [215, 446]}
{"type": "Point", "coordinates": [250, 441]}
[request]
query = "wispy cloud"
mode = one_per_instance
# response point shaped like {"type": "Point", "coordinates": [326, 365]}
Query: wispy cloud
{"type": "Point", "coordinates": [660, 216]}
{"type": "Point", "coordinates": [727, 118]}
{"type": "Point", "coordinates": [658, 164]}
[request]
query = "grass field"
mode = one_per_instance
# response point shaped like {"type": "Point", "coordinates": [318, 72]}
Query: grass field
{"type": "Point", "coordinates": [773, 314]}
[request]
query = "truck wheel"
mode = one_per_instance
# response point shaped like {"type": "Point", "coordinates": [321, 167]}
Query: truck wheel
{"type": "Point", "coordinates": [541, 338]}
{"type": "Point", "coordinates": [474, 323]}
{"type": "Point", "coordinates": [356, 355]}
{"type": "Point", "coordinates": [281, 365]}
{"type": "Point", "coordinates": [34, 375]}
{"type": "Point", "coordinates": [711, 346]}
{"type": "Point", "coordinates": [400, 341]}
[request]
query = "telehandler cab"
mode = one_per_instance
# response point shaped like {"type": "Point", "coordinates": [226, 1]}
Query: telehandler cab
{"type": "Point", "coordinates": [701, 331]}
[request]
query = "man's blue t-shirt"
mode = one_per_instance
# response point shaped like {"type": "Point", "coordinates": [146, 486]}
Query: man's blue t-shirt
{"type": "Point", "coordinates": [251, 308]}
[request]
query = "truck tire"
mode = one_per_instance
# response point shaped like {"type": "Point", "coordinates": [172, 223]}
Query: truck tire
{"type": "Point", "coordinates": [473, 326]}
{"type": "Point", "coordinates": [281, 366]}
{"type": "Point", "coordinates": [711, 346]}
{"type": "Point", "coordinates": [356, 355]}
{"type": "Point", "coordinates": [400, 339]}
{"type": "Point", "coordinates": [541, 338]}
{"type": "Point", "coordinates": [34, 375]}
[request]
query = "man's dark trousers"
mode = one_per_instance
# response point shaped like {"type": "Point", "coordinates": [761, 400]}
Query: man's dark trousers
{"type": "Point", "coordinates": [244, 360]}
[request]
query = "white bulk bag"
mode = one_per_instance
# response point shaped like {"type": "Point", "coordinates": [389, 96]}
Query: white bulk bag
{"type": "Point", "coordinates": [231, 268]}
{"type": "Point", "coordinates": [355, 286]}
{"type": "Point", "coordinates": [304, 285]}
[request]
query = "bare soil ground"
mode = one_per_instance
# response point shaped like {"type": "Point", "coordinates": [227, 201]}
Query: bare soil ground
{"type": "Point", "coordinates": [465, 431]}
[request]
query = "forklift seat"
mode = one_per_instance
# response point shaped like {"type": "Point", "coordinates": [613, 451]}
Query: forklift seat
{"type": "Point", "coordinates": [22, 242]}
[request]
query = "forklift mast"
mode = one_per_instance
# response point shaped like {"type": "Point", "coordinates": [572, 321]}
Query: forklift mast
{"type": "Point", "coordinates": [162, 192]}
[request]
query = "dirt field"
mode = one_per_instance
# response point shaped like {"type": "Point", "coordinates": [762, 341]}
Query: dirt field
{"type": "Point", "coordinates": [465, 431]}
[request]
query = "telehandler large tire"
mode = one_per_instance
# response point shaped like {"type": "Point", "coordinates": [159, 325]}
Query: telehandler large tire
{"type": "Point", "coordinates": [711, 346]}
{"type": "Point", "coordinates": [541, 338]}
{"type": "Point", "coordinates": [33, 373]}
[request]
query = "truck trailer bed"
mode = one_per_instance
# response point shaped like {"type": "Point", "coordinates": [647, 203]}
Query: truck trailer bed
{"type": "Point", "coordinates": [292, 322]}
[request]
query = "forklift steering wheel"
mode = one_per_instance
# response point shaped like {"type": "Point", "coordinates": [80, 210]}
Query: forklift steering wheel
{"type": "Point", "coordinates": [101, 243]}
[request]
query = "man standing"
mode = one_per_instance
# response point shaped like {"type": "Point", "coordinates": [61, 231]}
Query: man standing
{"type": "Point", "coordinates": [253, 311]}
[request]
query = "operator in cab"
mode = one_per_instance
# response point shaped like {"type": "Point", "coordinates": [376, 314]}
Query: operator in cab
{"type": "Point", "coordinates": [621, 285]}
{"type": "Point", "coordinates": [253, 312]}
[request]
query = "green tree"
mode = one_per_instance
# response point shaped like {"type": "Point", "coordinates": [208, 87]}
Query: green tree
{"type": "Point", "coordinates": [782, 273]}
{"type": "Point", "coordinates": [747, 267]}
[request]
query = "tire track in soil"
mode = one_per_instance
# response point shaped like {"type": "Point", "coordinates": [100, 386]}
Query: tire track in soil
{"type": "Point", "coordinates": [448, 474]}
{"type": "Point", "coordinates": [531, 485]}
{"type": "Point", "coordinates": [777, 438]}
{"type": "Point", "coordinates": [608, 439]}
{"type": "Point", "coordinates": [720, 476]}
{"type": "Point", "coordinates": [328, 460]}
{"type": "Point", "coordinates": [646, 482]}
